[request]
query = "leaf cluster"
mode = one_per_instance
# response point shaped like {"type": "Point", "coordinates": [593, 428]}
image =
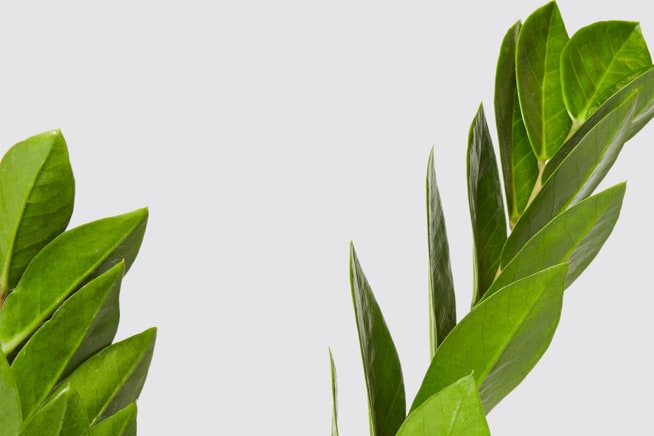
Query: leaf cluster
{"type": "Point", "coordinates": [60, 371]}
{"type": "Point", "coordinates": [564, 107]}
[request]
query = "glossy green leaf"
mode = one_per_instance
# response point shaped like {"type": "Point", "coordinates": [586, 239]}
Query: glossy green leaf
{"type": "Point", "coordinates": [599, 60]}
{"type": "Point", "coordinates": [11, 417]}
{"type": "Point", "coordinates": [381, 364]}
{"type": "Point", "coordinates": [575, 236]}
{"type": "Point", "coordinates": [592, 153]}
{"type": "Point", "coordinates": [63, 415]}
{"type": "Point", "coordinates": [454, 411]}
{"type": "Point", "coordinates": [486, 205]}
{"type": "Point", "coordinates": [500, 340]}
{"type": "Point", "coordinates": [442, 304]}
{"type": "Point", "coordinates": [70, 260]}
{"type": "Point", "coordinates": [121, 423]}
{"type": "Point", "coordinates": [36, 201]}
{"type": "Point", "coordinates": [113, 378]}
{"type": "Point", "coordinates": [538, 55]}
{"type": "Point", "coordinates": [334, 395]}
{"type": "Point", "coordinates": [43, 361]}
{"type": "Point", "coordinates": [644, 85]}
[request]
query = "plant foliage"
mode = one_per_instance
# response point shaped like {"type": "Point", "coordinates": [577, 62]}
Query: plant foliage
{"type": "Point", "coordinates": [60, 371]}
{"type": "Point", "coordinates": [564, 108]}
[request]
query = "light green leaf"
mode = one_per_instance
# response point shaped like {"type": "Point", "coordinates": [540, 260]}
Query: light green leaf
{"type": "Point", "coordinates": [454, 411]}
{"type": "Point", "coordinates": [43, 361]}
{"type": "Point", "coordinates": [442, 304]}
{"type": "Point", "coordinates": [500, 340]}
{"type": "Point", "coordinates": [590, 154]}
{"type": "Point", "coordinates": [539, 48]}
{"type": "Point", "coordinates": [575, 236]}
{"type": "Point", "coordinates": [113, 378]}
{"type": "Point", "coordinates": [519, 164]}
{"type": "Point", "coordinates": [334, 395]}
{"type": "Point", "coordinates": [37, 191]}
{"type": "Point", "coordinates": [486, 206]}
{"type": "Point", "coordinates": [63, 415]}
{"type": "Point", "coordinates": [121, 423]}
{"type": "Point", "coordinates": [11, 417]}
{"type": "Point", "coordinates": [70, 260]}
{"type": "Point", "coordinates": [381, 364]}
{"type": "Point", "coordinates": [599, 60]}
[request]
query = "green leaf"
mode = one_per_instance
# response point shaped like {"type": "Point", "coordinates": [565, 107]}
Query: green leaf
{"type": "Point", "coordinates": [334, 395]}
{"type": "Point", "coordinates": [454, 411]}
{"type": "Point", "coordinates": [644, 85]}
{"type": "Point", "coordinates": [37, 190]}
{"type": "Point", "coordinates": [599, 60]}
{"type": "Point", "coordinates": [575, 236]}
{"type": "Point", "coordinates": [539, 48]}
{"type": "Point", "coordinates": [500, 340]}
{"type": "Point", "coordinates": [11, 417]}
{"type": "Point", "coordinates": [70, 260]}
{"type": "Point", "coordinates": [486, 206]}
{"type": "Point", "coordinates": [41, 363]}
{"type": "Point", "coordinates": [381, 363]}
{"type": "Point", "coordinates": [442, 304]}
{"type": "Point", "coordinates": [589, 155]}
{"type": "Point", "coordinates": [63, 415]}
{"type": "Point", "coordinates": [113, 378]}
{"type": "Point", "coordinates": [121, 423]}
{"type": "Point", "coordinates": [519, 164]}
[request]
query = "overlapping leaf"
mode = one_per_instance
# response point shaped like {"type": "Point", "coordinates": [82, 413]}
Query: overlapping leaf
{"type": "Point", "coordinates": [121, 423]}
{"type": "Point", "coordinates": [454, 411]}
{"type": "Point", "coordinates": [63, 415]}
{"type": "Point", "coordinates": [381, 364]}
{"type": "Point", "coordinates": [11, 417]}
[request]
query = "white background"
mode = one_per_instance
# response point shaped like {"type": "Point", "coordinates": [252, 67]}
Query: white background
{"type": "Point", "coordinates": [264, 136]}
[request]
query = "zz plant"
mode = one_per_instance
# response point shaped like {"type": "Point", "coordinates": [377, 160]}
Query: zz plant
{"type": "Point", "coordinates": [564, 108]}
{"type": "Point", "coordinates": [60, 372]}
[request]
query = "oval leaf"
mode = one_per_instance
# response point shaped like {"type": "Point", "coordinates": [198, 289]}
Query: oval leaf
{"type": "Point", "coordinates": [381, 364]}
{"type": "Point", "coordinates": [63, 415]}
{"type": "Point", "coordinates": [70, 260]}
{"type": "Point", "coordinates": [121, 423]}
{"type": "Point", "coordinates": [500, 340]}
{"type": "Point", "coordinates": [11, 417]}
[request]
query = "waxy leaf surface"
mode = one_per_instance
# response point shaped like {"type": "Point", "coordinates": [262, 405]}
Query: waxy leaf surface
{"type": "Point", "coordinates": [381, 364]}
{"type": "Point", "coordinates": [121, 423]}
{"type": "Point", "coordinates": [37, 191]}
{"type": "Point", "coordinates": [11, 417]}
{"type": "Point", "coordinates": [442, 304]}
{"type": "Point", "coordinates": [332, 368]}
{"type": "Point", "coordinates": [65, 264]}
{"type": "Point", "coordinates": [454, 411]}
{"type": "Point", "coordinates": [500, 340]}
{"type": "Point", "coordinates": [63, 415]}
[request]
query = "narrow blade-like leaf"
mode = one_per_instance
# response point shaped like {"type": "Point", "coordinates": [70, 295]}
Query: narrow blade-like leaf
{"type": "Point", "coordinates": [11, 417]}
{"type": "Point", "coordinates": [70, 260]}
{"type": "Point", "coordinates": [63, 415]}
{"type": "Point", "coordinates": [500, 340]}
{"type": "Point", "coordinates": [539, 48]}
{"type": "Point", "coordinates": [442, 304]}
{"type": "Point", "coordinates": [41, 363]}
{"type": "Point", "coordinates": [519, 164]}
{"type": "Point", "coordinates": [332, 368]}
{"type": "Point", "coordinates": [113, 378]}
{"type": "Point", "coordinates": [37, 191]}
{"type": "Point", "coordinates": [578, 174]}
{"type": "Point", "coordinates": [598, 60]}
{"type": "Point", "coordinates": [575, 236]}
{"type": "Point", "coordinates": [454, 411]}
{"type": "Point", "coordinates": [486, 205]}
{"type": "Point", "coordinates": [381, 363]}
{"type": "Point", "coordinates": [121, 423]}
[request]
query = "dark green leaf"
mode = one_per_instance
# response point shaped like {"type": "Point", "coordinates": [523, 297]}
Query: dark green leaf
{"type": "Point", "coordinates": [381, 364]}
{"type": "Point", "coordinates": [334, 395]}
{"type": "Point", "coordinates": [575, 236]}
{"type": "Point", "coordinates": [442, 304]}
{"type": "Point", "coordinates": [486, 206]}
{"type": "Point", "coordinates": [113, 378]}
{"type": "Point", "coordinates": [70, 260]}
{"type": "Point", "coordinates": [599, 60]}
{"type": "Point", "coordinates": [63, 415]}
{"type": "Point", "coordinates": [41, 363]}
{"type": "Point", "coordinates": [37, 190]}
{"type": "Point", "coordinates": [539, 48]}
{"type": "Point", "coordinates": [500, 340]}
{"type": "Point", "coordinates": [11, 417]}
{"type": "Point", "coordinates": [454, 411]}
{"type": "Point", "coordinates": [121, 423]}
{"type": "Point", "coordinates": [519, 164]}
